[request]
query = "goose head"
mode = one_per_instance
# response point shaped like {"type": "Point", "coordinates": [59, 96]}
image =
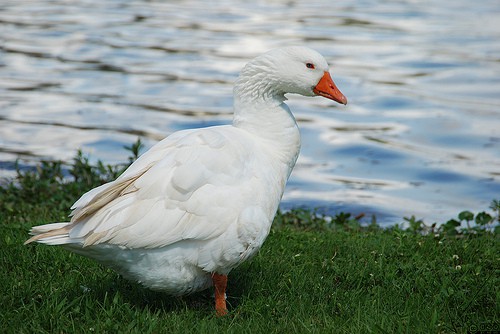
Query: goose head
{"type": "Point", "coordinates": [296, 70]}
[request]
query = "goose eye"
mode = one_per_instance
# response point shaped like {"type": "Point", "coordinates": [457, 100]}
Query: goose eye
{"type": "Point", "coordinates": [310, 65]}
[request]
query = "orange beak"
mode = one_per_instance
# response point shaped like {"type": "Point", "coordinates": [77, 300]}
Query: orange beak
{"type": "Point", "coordinates": [326, 88]}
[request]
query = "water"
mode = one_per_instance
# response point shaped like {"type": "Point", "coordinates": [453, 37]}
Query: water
{"type": "Point", "coordinates": [420, 135]}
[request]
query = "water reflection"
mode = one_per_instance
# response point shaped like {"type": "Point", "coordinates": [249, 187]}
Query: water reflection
{"type": "Point", "coordinates": [420, 135]}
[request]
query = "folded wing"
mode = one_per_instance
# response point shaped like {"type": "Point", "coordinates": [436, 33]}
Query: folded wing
{"type": "Point", "coordinates": [192, 185]}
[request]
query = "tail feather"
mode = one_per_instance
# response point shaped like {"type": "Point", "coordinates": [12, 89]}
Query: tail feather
{"type": "Point", "coordinates": [51, 234]}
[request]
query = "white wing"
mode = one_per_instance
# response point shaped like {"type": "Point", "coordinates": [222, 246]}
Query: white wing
{"type": "Point", "coordinates": [191, 185]}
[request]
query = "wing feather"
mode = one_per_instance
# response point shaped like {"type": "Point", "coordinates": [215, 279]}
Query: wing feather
{"type": "Point", "coordinates": [188, 186]}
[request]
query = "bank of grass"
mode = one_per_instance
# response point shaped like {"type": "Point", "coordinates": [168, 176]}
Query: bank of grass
{"type": "Point", "coordinates": [314, 274]}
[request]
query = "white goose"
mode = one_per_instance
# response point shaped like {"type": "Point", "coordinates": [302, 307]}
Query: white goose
{"type": "Point", "coordinates": [201, 201]}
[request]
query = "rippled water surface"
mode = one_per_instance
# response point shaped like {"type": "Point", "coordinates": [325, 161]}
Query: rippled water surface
{"type": "Point", "coordinates": [420, 135]}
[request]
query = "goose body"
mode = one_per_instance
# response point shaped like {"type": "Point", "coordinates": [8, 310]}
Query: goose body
{"type": "Point", "coordinates": [201, 201]}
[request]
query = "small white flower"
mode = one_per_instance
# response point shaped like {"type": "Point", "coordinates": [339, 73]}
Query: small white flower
{"type": "Point", "coordinates": [458, 267]}
{"type": "Point", "coordinates": [84, 288]}
{"type": "Point", "coordinates": [455, 257]}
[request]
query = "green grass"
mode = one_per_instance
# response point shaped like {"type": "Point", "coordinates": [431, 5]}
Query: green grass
{"type": "Point", "coordinates": [314, 274]}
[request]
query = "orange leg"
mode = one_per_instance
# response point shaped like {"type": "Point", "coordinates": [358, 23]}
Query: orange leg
{"type": "Point", "coordinates": [220, 283]}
